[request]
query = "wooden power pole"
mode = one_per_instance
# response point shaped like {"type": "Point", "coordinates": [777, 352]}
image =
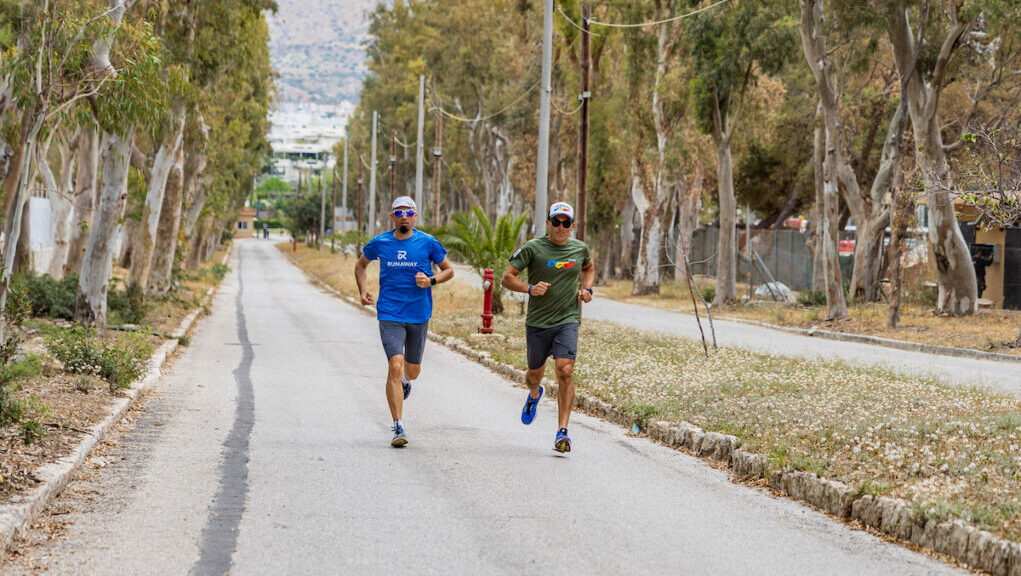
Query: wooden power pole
{"type": "Point", "coordinates": [586, 95]}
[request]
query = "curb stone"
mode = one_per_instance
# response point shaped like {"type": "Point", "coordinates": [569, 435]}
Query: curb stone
{"type": "Point", "coordinates": [891, 516]}
{"type": "Point", "coordinates": [26, 508]}
{"type": "Point", "coordinates": [885, 342]}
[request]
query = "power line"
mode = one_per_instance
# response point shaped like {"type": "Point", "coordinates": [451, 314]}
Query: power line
{"type": "Point", "coordinates": [594, 22]}
{"type": "Point", "coordinates": [575, 24]}
{"type": "Point", "coordinates": [439, 106]}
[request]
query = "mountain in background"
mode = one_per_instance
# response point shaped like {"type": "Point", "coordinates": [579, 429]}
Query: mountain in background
{"type": "Point", "coordinates": [316, 48]}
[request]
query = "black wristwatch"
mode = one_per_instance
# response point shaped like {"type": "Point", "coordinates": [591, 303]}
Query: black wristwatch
{"type": "Point", "coordinates": [589, 290]}
{"type": "Point", "coordinates": [432, 280]}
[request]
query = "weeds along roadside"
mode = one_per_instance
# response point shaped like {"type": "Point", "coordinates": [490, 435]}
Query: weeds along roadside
{"type": "Point", "coordinates": [949, 452]}
{"type": "Point", "coordinates": [43, 345]}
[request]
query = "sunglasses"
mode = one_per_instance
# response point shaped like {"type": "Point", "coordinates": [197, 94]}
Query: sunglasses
{"type": "Point", "coordinates": [558, 223]}
{"type": "Point", "coordinates": [402, 213]}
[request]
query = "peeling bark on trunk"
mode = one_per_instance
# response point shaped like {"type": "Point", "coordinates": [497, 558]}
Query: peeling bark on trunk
{"type": "Point", "coordinates": [868, 210]}
{"type": "Point", "coordinates": [654, 195]}
{"type": "Point", "coordinates": [160, 277]}
{"type": "Point", "coordinates": [90, 306]}
{"type": "Point", "coordinates": [63, 208]}
{"type": "Point", "coordinates": [958, 286]}
{"type": "Point", "coordinates": [166, 158]}
{"type": "Point", "coordinates": [84, 196]}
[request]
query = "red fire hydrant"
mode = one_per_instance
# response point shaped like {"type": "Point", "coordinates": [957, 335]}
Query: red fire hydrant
{"type": "Point", "coordinates": [487, 302]}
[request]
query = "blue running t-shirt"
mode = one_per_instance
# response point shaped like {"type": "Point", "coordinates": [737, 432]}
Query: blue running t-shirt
{"type": "Point", "coordinates": [400, 299]}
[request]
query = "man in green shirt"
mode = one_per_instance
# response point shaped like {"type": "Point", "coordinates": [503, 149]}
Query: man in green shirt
{"type": "Point", "coordinates": [561, 273]}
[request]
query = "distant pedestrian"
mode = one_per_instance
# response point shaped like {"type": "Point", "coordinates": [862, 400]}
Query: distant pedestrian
{"type": "Point", "coordinates": [406, 257]}
{"type": "Point", "coordinates": [560, 272]}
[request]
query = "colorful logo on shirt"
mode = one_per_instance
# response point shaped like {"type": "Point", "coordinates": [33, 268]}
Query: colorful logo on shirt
{"type": "Point", "coordinates": [560, 265]}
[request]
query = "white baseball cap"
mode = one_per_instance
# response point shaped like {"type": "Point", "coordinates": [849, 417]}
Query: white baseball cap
{"type": "Point", "coordinates": [561, 209]}
{"type": "Point", "coordinates": [404, 201]}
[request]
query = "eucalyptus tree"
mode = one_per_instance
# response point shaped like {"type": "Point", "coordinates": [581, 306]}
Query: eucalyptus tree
{"type": "Point", "coordinates": [137, 98]}
{"type": "Point", "coordinates": [730, 46]}
{"type": "Point", "coordinates": [974, 29]}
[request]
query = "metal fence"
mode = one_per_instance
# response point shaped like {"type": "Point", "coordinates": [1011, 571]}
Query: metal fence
{"type": "Point", "coordinates": [783, 253]}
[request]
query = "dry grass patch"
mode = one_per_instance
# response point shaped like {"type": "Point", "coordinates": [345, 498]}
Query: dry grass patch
{"type": "Point", "coordinates": [988, 330]}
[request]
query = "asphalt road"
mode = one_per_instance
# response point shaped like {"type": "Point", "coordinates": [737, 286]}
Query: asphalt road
{"type": "Point", "coordinates": [266, 451]}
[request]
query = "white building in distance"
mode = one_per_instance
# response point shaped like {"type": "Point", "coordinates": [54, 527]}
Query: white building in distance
{"type": "Point", "coordinates": [303, 136]}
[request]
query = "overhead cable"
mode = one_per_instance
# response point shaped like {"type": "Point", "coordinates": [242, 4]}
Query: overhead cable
{"type": "Point", "coordinates": [594, 22]}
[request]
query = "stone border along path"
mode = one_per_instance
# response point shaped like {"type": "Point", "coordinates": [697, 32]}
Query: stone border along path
{"type": "Point", "coordinates": [26, 508]}
{"type": "Point", "coordinates": [972, 547]}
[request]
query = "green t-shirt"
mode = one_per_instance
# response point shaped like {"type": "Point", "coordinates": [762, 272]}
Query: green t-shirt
{"type": "Point", "coordinates": [561, 267]}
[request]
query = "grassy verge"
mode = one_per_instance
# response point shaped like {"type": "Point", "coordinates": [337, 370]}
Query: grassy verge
{"type": "Point", "coordinates": [949, 452]}
{"type": "Point", "coordinates": [988, 330]}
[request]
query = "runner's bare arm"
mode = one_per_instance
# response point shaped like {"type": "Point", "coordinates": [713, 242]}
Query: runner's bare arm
{"type": "Point", "coordinates": [588, 277]}
{"type": "Point", "coordinates": [366, 297]}
{"type": "Point", "coordinates": [511, 282]}
{"type": "Point", "coordinates": [446, 273]}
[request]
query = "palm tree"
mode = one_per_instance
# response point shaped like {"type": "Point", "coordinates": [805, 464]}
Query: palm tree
{"type": "Point", "coordinates": [479, 244]}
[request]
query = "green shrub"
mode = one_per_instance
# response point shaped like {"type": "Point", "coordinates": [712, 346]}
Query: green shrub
{"type": "Point", "coordinates": [126, 306]}
{"type": "Point", "coordinates": [120, 361]}
{"type": "Point", "coordinates": [13, 411]}
{"type": "Point", "coordinates": [49, 298]}
{"type": "Point", "coordinates": [812, 298]}
{"type": "Point", "coordinates": [708, 293]}
{"type": "Point", "coordinates": [28, 367]}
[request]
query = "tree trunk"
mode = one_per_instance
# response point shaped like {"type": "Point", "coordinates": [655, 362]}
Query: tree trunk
{"type": "Point", "coordinates": [14, 218]}
{"type": "Point", "coordinates": [726, 268]}
{"type": "Point", "coordinates": [161, 276]}
{"type": "Point", "coordinates": [689, 206]}
{"type": "Point", "coordinates": [90, 307]}
{"type": "Point", "coordinates": [63, 208]}
{"type": "Point", "coordinates": [197, 243]}
{"type": "Point", "coordinates": [815, 218]}
{"type": "Point", "coordinates": [84, 199]}
{"type": "Point", "coordinates": [958, 286]}
{"type": "Point", "coordinates": [166, 159]}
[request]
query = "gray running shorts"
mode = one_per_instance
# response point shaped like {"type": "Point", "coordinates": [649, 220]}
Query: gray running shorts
{"type": "Point", "coordinates": [401, 338]}
{"type": "Point", "coordinates": [558, 341]}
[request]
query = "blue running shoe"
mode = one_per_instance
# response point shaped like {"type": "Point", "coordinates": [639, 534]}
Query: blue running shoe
{"type": "Point", "coordinates": [400, 439]}
{"type": "Point", "coordinates": [406, 386]}
{"type": "Point", "coordinates": [528, 412]}
{"type": "Point", "coordinates": [563, 442]}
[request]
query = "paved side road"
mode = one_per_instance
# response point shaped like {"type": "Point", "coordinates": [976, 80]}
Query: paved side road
{"type": "Point", "coordinates": [1001, 376]}
{"type": "Point", "coordinates": [267, 452]}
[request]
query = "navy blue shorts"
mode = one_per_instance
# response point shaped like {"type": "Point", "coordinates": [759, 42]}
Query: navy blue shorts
{"type": "Point", "coordinates": [401, 338]}
{"type": "Point", "coordinates": [558, 341]}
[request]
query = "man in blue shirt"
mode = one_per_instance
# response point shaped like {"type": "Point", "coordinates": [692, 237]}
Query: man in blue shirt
{"type": "Point", "coordinates": [406, 257]}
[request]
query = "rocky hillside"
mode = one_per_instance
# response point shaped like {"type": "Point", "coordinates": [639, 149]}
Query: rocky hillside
{"type": "Point", "coordinates": [317, 49]}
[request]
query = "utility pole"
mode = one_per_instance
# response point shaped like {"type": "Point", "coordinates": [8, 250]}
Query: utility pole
{"type": "Point", "coordinates": [360, 222]}
{"type": "Point", "coordinates": [545, 93]}
{"type": "Point", "coordinates": [343, 195]}
{"type": "Point", "coordinates": [586, 95]}
{"type": "Point", "coordinates": [322, 206]}
{"type": "Point", "coordinates": [438, 157]}
{"type": "Point", "coordinates": [372, 178]}
{"type": "Point", "coordinates": [419, 144]}
{"type": "Point", "coordinates": [393, 165]}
